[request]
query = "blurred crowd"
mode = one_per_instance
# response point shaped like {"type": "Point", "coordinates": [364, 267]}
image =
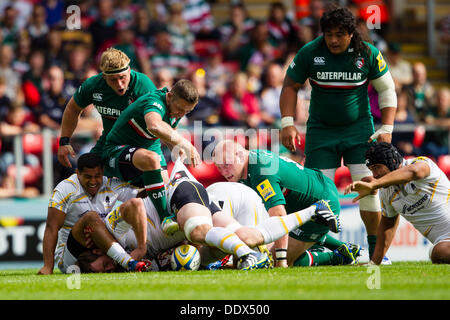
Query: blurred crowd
{"type": "Point", "coordinates": [238, 67]}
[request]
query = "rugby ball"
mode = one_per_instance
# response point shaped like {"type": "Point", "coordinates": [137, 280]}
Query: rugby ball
{"type": "Point", "coordinates": [185, 257]}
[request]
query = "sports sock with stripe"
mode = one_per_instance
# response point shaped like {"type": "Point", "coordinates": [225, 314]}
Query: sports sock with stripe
{"type": "Point", "coordinates": [156, 191]}
{"type": "Point", "coordinates": [275, 228]}
{"type": "Point", "coordinates": [119, 255]}
{"type": "Point", "coordinates": [313, 258]}
{"type": "Point", "coordinates": [227, 241]}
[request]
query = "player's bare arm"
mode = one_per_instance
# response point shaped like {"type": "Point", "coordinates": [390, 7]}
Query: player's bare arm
{"type": "Point", "coordinates": [55, 220]}
{"type": "Point", "coordinates": [415, 171]}
{"type": "Point", "coordinates": [288, 103]}
{"type": "Point", "coordinates": [386, 232]}
{"type": "Point", "coordinates": [68, 125]}
{"type": "Point", "coordinates": [170, 136]}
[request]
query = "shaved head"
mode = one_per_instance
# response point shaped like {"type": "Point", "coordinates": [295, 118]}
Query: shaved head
{"type": "Point", "coordinates": [231, 159]}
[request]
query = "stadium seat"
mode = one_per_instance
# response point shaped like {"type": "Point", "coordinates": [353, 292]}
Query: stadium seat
{"type": "Point", "coordinates": [419, 136]}
{"type": "Point", "coordinates": [31, 174]}
{"type": "Point", "coordinates": [32, 143]}
{"type": "Point", "coordinates": [301, 145]}
{"type": "Point", "coordinates": [444, 163]}
{"type": "Point", "coordinates": [342, 177]}
{"type": "Point", "coordinates": [204, 48]}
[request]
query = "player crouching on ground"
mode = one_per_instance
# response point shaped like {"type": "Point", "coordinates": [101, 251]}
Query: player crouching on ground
{"type": "Point", "coordinates": [415, 188]}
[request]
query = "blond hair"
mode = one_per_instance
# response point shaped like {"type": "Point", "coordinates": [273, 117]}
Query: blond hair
{"type": "Point", "coordinates": [113, 60]}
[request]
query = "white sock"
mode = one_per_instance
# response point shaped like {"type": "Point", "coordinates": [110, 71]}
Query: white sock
{"type": "Point", "coordinates": [227, 241]}
{"type": "Point", "coordinates": [275, 228]}
{"type": "Point", "coordinates": [119, 255]}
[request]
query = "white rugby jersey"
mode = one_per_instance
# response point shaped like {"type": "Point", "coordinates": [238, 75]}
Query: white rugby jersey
{"type": "Point", "coordinates": [70, 198]}
{"type": "Point", "coordinates": [238, 200]}
{"type": "Point", "coordinates": [424, 203]}
{"type": "Point", "coordinates": [157, 240]}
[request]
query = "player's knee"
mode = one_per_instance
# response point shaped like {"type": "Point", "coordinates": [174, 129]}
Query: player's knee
{"type": "Point", "coordinates": [248, 237]}
{"type": "Point", "coordinates": [441, 252]}
{"type": "Point", "coordinates": [147, 160]}
{"type": "Point", "coordinates": [91, 218]}
{"type": "Point", "coordinates": [196, 228]}
{"type": "Point", "coordinates": [133, 206]}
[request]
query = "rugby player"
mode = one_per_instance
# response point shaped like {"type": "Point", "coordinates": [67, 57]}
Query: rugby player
{"type": "Point", "coordinates": [285, 187]}
{"type": "Point", "coordinates": [415, 188]}
{"type": "Point", "coordinates": [85, 191]}
{"type": "Point", "coordinates": [243, 212]}
{"type": "Point", "coordinates": [340, 66]}
{"type": "Point", "coordinates": [111, 91]}
{"type": "Point", "coordinates": [133, 146]}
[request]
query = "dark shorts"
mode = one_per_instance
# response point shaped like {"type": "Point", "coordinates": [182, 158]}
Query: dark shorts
{"type": "Point", "coordinates": [191, 192]}
{"type": "Point", "coordinates": [120, 165]}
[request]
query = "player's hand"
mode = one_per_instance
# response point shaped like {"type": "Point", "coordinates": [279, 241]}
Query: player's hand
{"type": "Point", "coordinates": [45, 270]}
{"type": "Point", "coordinates": [361, 187]}
{"type": "Point", "coordinates": [63, 155]}
{"type": "Point", "coordinates": [289, 136]}
{"type": "Point", "coordinates": [187, 150]}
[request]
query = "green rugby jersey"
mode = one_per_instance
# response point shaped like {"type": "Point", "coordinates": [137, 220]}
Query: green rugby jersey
{"type": "Point", "coordinates": [279, 180]}
{"type": "Point", "coordinates": [339, 83]}
{"type": "Point", "coordinates": [95, 90]}
{"type": "Point", "coordinates": [131, 129]}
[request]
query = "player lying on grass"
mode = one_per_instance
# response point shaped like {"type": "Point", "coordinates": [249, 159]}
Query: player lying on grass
{"type": "Point", "coordinates": [415, 188]}
{"type": "Point", "coordinates": [133, 146]}
{"type": "Point", "coordinates": [101, 245]}
{"type": "Point", "coordinates": [243, 212]}
{"type": "Point", "coordinates": [86, 190]}
{"type": "Point", "coordinates": [286, 188]}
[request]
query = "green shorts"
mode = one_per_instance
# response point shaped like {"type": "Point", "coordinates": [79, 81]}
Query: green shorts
{"type": "Point", "coordinates": [118, 161]}
{"type": "Point", "coordinates": [326, 146]}
{"type": "Point", "coordinates": [313, 231]}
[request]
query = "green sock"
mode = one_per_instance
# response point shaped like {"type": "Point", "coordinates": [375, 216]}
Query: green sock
{"type": "Point", "coordinates": [331, 243]}
{"type": "Point", "coordinates": [156, 191]}
{"type": "Point", "coordinates": [371, 240]}
{"type": "Point", "coordinates": [308, 259]}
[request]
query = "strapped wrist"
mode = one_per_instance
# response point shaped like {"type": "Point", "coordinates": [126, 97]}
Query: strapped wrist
{"type": "Point", "coordinates": [287, 122]}
{"type": "Point", "coordinates": [64, 141]}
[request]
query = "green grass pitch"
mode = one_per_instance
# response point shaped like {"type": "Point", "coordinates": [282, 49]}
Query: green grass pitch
{"type": "Point", "coordinates": [400, 281]}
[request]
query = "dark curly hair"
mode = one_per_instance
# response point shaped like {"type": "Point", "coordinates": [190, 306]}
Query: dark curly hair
{"type": "Point", "coordinates": [384, 153]}
{"type": "Point", "coordinates": [344, 19]}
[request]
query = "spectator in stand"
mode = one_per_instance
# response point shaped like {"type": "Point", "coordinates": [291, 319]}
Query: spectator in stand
{"type": "Point", "coordinates": [400, 68]}
{"type": "Point", "coordinates": [217, 75]}
{"type": "Point", "coordinates": [302, 36]}
{"type": "Point", "coordinates": [124, 12]}
{"type": "Point", "coordinates": [32, 79]}
{"type": "Point", "coordinates": [270, 95]}
{"type": "Point", "coordinates": [197, 14]}
{"type": "Point", "coordinates": [182, 37]}
{"type": "Point", "coordinates": [403, 140]}
{"type": "Point", "coordinates": [55, 11]}
{"type": "Point", "coordinates": [23, 51]}
{"type": "Point", "coordinates": [6, 71]}
{"type": "Point", "coordinates": [17, 119]}
{"type": "Point", "coordinates": [239, 106]}
{"type": "Point", "coordinates": [145, 28]}
{"type": "Point", "coordinates": [37, 29]}
{"type": "Point", "coordinates": [281, 30]}
{"type": "Point", "coordinates": [259, 51]}
{"type": "Point", "coordinates": [53, 101]}
{"type": "Point", "coordinates": [420, 92]}
{"type": "Point", "coordinates": [436, 141]}
{"type": "Point", "coordinates": [316, 9]}
{"type": "Point", "coordinates": [371, 36]}
{"type": "Point", "coordinates": [444, 37]}
{"type": "Point", "coordinates": [208, 107]}
{"type": "Point", "coordinates": [54, 54]}
{"type": "Point", "coordinates": [164, 78]}
{"type": "Point", "coordinates": [104, 27]}
{"type": "Point", "coordinates": [234, 33]}
{"type": "Point", "coordinates": [9, 27]}
{"type": "Point", "coordinates": [163, 56]}
{"type": "Point", "coordinates": [75, 68]}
